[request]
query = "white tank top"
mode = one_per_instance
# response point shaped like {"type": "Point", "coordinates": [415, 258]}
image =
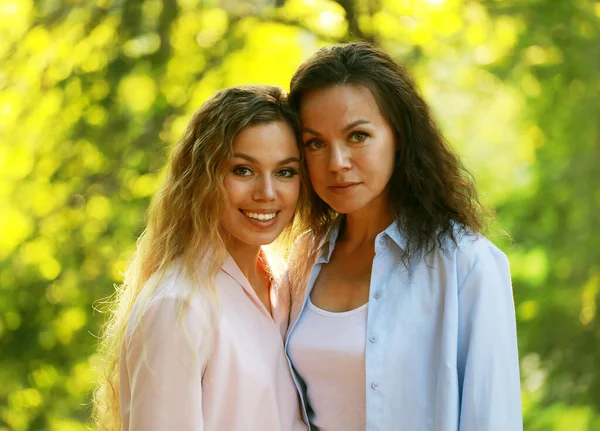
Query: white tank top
{"type": "Point", "coordinates": [328, 352]}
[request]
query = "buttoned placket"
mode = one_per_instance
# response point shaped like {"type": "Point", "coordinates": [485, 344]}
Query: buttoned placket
{"type": "Point", "coordinates": [374, 350]}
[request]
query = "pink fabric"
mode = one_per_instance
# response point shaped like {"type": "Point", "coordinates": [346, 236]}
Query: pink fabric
{"type": "Point", "coordinates": [223, 373]}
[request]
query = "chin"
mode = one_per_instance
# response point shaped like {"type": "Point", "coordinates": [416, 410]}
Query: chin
{"type": "Point", "coordinates": [260, 243]}
{"type": "Point", "coordinates": [260, 240]}
{"type": "Point", "coordinates": [345, 208]}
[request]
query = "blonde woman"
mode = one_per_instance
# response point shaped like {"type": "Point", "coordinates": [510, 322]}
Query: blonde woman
{"type": "Point", "coordinates": [195, 342]}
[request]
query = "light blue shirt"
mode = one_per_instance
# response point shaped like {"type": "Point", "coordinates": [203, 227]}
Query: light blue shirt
{"type": "Point", "coordinates": [441, 345]}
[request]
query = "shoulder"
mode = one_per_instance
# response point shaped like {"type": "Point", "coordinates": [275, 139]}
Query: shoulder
{"type": "Point", "coordinates": [483, 271]}
{"type": "Point", "coordinates": [174, 282]}
{"type": "Point", "coordinates": [471, 252]}
{"type": "Point", "coordinates": [170, 292]}
{"type": "Point", "coordinates": [472, 247]}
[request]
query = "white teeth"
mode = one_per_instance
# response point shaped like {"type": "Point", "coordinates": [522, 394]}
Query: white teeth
{"type": "Point", "coordinates": [261, 217]}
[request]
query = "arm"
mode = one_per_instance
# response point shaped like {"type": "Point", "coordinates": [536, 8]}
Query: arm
{"type": "Point", "coordinates": [488, 363]}
{"type": "Point", "coordinates": [165, 361]}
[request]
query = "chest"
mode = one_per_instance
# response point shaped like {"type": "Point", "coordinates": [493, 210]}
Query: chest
{"type": "Point", "coordinates": [343, 283]}
{"type": "Point", "coordinates": [399, 297]}
{"type": "Point", "coordinates": [409, 339]}
{"type": "Point", "coordinates": [245, 328]}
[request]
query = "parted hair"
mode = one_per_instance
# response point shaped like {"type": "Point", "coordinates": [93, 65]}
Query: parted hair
{"type": "Point", "coordinates": [432, 195]}
{"type": "Point", "coordinates": [184, 217]}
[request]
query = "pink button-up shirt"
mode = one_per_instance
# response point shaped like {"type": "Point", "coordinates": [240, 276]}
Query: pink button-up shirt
{"type": "Point", "coordinates": [190, 371]}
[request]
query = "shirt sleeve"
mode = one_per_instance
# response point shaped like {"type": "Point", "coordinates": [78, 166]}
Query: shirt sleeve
{"type": "Point", "coordinates": [488, 363]}
{"type": "Point", "coordinates": [165, 359]}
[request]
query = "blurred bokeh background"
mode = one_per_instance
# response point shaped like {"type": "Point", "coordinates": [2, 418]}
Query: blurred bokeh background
{"type": "Point", "coordinates": [93, 94]}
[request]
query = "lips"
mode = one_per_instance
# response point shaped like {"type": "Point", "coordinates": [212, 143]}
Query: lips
{"type": "Point", "coordinates": [262, 215]}
{"type": "Point", "coordinates": [343, 187]}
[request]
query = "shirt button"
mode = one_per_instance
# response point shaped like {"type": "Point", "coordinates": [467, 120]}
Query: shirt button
{"type": "Point", "coordinates": [382, 240]}
{"type": "Point", "coordinates": [375, 386]}
{"type": "Point", "coordinates": [373, 338]}
{"type": "Point", "coordinates": [377, 294]}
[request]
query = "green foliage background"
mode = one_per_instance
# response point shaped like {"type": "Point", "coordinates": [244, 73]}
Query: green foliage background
{"type": "Point", "coordinates": [93, 93]}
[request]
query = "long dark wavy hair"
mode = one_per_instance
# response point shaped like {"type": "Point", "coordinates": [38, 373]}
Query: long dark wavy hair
{"type": "Point", "coordinates": [432, 195]}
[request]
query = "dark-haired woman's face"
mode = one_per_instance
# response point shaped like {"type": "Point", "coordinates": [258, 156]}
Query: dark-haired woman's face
{"type": "Point", "coordinates": [349, 148]}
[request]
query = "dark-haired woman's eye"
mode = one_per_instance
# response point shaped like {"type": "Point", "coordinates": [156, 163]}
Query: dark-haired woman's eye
{"type": "Point", "coordinates": [287, 173]}
{"type": "Point", "coordinates": [358, 137]}
{"type": "Point", "coordinates": [314, 144]}
{"type": "Point", "coordinates": [242, 171]}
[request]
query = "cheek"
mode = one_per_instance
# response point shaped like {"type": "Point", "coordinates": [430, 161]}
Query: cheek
{"type": "Point", "coordinates": [382, 162]}
{"type": "Point", "coordinates": [234, 190]}
{"type": "Point", "coordinates": [291, 191]}
{"type": "Point", "coordinates": [382, 169]}
{"type": "Point", "coordinates": [316, 170]}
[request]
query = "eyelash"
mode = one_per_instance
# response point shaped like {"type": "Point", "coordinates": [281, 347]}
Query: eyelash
{"type": "Point", "coordinates": [238, 170]}
{"type": "Point", "coordinates": [289, 172]}
{"type": "Point", "coordinates": [310, 142]}
{"type": "Point", "coordinates": [364, 135]}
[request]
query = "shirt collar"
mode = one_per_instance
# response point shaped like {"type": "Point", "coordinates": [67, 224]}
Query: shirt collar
{"type": "Point", "coordinates": [396, 233]}
{"type": "Point", "coordinates": [327, 245]}
{"type": "Point", "coordinates": [233, 270]}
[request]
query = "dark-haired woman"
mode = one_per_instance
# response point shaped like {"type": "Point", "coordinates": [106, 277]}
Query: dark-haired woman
{"type": "Point", "coordinates": [403, 314]}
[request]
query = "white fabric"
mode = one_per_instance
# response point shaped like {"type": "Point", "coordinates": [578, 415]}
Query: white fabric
{"type": "Point", "coordinates": [328, 353]}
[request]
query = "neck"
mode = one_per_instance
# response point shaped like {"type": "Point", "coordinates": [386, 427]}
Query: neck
{"type": "Point", "coordinates": [246, 257]}
{"type": "Point", "coordinates": [362, 226]}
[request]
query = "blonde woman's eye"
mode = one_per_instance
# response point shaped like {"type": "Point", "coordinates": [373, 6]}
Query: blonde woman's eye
{"type": "Point", "coordinates": [314, 144]}
{"type": "Point", "coordinates": [358, 136]}
{"type": "Point", "coordinates": [287, 173]}
{"type": "Point", "coordinates": [242, 171]}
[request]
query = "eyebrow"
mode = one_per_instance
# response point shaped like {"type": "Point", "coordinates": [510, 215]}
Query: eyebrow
{"type": "Point", "coordinates": [345, 129]}
{"type": "Point", "coordinates": [253, 160]}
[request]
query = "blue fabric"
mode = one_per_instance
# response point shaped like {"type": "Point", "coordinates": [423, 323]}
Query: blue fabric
{"type": "Point", "coordinates": [441, 346]}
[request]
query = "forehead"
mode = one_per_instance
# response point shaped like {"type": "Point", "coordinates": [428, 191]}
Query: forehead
{"type": "Point", "coordinates": [266, 142]}
{"type": "Point", "coordinates": [339, 105]}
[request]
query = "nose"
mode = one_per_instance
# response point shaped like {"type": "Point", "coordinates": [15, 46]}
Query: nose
{"type": "Point", "coordinates": [339, 158]}
{"type": "Point", "coordinates": [264, 190]}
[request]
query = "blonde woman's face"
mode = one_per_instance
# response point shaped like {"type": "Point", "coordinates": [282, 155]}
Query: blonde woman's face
{"type": "Point", "coordinates": [262, 184]}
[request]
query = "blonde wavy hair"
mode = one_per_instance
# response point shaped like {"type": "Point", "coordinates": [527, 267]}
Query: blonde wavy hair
{"type": "Point", "coordinates": [183, 218]}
